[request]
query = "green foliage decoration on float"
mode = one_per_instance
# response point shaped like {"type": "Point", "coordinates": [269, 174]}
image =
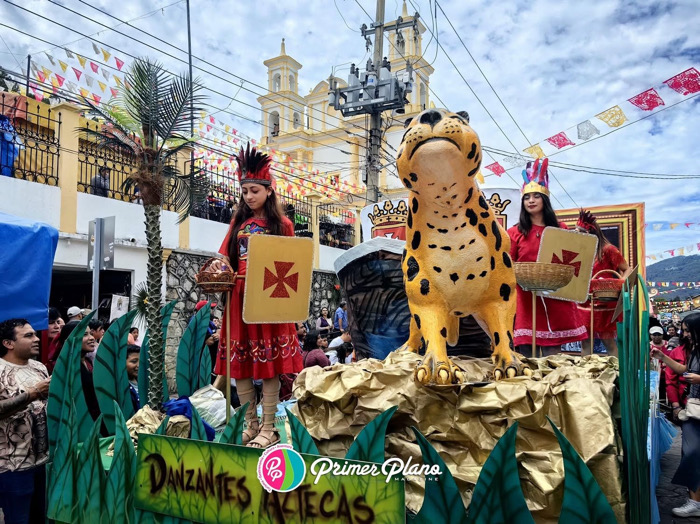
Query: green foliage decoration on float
{"type": "Point", "coordinates": [109, 374]}
{"type": "Point", "coordinates": [301, 440]}
{"type": "Point", "coordinates": [187, 370]}
{"type": "Point", "coordinates": [233, 432]}
{"type": "Point", "coordinates": [369, 444]}
{"type": "Point", "coordinates": [584, 501]}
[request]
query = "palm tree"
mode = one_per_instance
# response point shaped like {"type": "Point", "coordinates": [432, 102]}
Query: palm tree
{"type": "Point", "coordinates": [150, 122]}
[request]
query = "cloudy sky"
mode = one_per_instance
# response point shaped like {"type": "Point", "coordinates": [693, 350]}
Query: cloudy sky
{"type": "Point", "coordinates": [553, 64]}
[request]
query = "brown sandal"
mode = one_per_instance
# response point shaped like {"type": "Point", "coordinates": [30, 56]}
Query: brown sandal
{"type": "Point", "coordinates": [262, 440]}
{"type": "Point", "coordinates": [250, 432]}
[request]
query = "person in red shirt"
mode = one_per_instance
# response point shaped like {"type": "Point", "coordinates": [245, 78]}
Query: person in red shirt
{"type": "Point", "coordinates": [558, 321]}
{"type": "Point", "coordinates": [657, 340]}
{"type": "Point", "coordinates": [608, 258]}
{"type": "Point", "coordinates": [258, 351]}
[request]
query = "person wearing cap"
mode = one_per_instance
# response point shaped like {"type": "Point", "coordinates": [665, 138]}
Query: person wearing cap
{"type": "Point", "coordinates": [258, 351]}
{"type": "Point", "coordinates": [657, 340]}
{"type": "Point", "coordinates": [340, 319]}
{"type": "Point", "coordinates": [558, 322]}
{"type": "Point", "coordinates": [74, 313]}
{"type": "Point", "coordinates": [99, 185]}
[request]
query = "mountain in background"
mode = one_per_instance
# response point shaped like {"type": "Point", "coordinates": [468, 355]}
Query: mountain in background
{"type": "Point", "coordinates": [676, 269]}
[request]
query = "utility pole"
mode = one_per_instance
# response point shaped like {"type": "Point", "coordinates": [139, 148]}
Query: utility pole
{"type": "Point", "coordinates": [374, 91]}
{"type": "Point", "coordinates": [29, 72]}
{"type": "Point", "coordinates": [375, 126]}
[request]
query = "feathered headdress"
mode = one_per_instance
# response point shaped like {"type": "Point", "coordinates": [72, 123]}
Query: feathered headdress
{"type": "Point", "coordinates": [254, 167]}
{"type": "Point", "coordinates": [536, 178]}
{"type": "Point", "coordinates": [586, 221]}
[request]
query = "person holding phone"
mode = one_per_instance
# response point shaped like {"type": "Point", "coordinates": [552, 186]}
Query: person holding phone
{"type": "Point", "coordinates": [688, 473]}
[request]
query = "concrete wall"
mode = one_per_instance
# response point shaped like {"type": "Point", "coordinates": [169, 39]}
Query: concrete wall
{"type": "Point", "coordinates": [327, 256]}
{"type": "Point", "coordinates": [30, 200]}
{"type": "Point", "coordinates": [205, 235]}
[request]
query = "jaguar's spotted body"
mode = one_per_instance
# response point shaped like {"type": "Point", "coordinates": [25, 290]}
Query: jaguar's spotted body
{"type": "Point", "coordinates": [456, 261]}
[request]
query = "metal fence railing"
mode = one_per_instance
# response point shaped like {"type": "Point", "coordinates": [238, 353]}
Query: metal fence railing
{"type": "Point", "coordinates": [96, 162]}
{"type": "Point", "coordinates": [223, 197]}
{"type": "Point", "coordinates": [29, 139]}
{"type": "Point", "coordinates": [336, 226]}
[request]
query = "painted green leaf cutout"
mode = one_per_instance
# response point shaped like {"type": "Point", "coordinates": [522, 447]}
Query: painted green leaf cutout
{"type": "Point", "coordinates": [163, 426]}
{"type": "Point", "coordinates": [442, 502]}
{"type": "Point", "coordinates": [498, 497]}
{"type": "Point", "coordinates": [205, 368]}
{"type": "Point", "coordinates": [118, 499]}
{"type": "Point", "coordinates": [61, 494]}
{"type": "Point", "coordinates": [66, 388]}
{"type": "Point", "coordinates": [197, 431]}
{"type": "Point", "coordinates": [109, 374]}
{"type": "Point", "coordinates": [90, 478]}
{"type": "Point", "coordinates": [584, 501]}
{"type": "Point", "coordinates": [369, 444]}
{"type": "Point", "coordinates": [233, 432]}
{"type": "Point", "coordinates": [189, 351]}
{"type": "Point", "coordinates": [166, 312]}
{"type": "Point", "coordinates": [301, 440]}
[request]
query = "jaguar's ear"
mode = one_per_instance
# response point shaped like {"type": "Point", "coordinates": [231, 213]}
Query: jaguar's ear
{"type": "Point", "coordinates": [464, 115]}
{"type": "Point", "coordinates": [408, 121]}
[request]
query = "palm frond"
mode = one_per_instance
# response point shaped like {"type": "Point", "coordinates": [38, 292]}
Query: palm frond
{"type": "Point", "coordinates": [174, 147]}
{"type": "Point", "coordinates": [106, 116]}
{"type": "Point", "coordinates": [185, 191]}
{"type": "Point", "coordinates": [140, 299]}
{"type": "Point", "coordinates": [177, 109]}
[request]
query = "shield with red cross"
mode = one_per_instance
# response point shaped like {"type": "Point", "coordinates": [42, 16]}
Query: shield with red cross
{"type": "Point", "coordinates": [561, 246]}
{"type": "Point", "coordinates": [278, 279]}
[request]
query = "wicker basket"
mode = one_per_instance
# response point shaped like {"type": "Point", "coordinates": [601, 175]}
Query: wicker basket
{"type": "Point", "coordinates": [215, 281]}
{"type": "Point", "coordinates": [607, 287]}
{"type": "Point", "coordinates": [539, 276]}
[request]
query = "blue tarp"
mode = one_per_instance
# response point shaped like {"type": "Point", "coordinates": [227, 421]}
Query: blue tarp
{"type": "Point", "coordinates": [27, 249]}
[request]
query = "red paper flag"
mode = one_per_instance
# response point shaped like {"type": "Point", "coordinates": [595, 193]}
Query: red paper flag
{"type": "Point", "coordinates": [77, 72]}
{"type": "Point", "coordinates": [60, 80]}
{"type": "Point", "coordinates": [253, 142]}
{"type": "Point", "coordinates": [560, 140]}
{"type": "Point", "coordinates": [686, 82]}
{"type": "Point", "coordinates": [114, 91]}
{"type": "Point", "coordinates": [688, 224]}
{"type": "Point", "coordinates": [41, 76]}
{"type": "Point", "coordinates": [208, 128]}
{"type": "Point", "coordinates": [648, 100]}
{"type": "Point", "coordinates": [119, 63]}
{"type": "Point", "coordinates": [211, 119]}
{"type": "Point", "coordinates": [235, 131]}
{"type": "Point", "coordinates": [55, 90]}
{"type": "Point", "coordinates": [94, 66]}
{"type": "Point", "coordinates": [96, 98]}
{"type": "Point", "coordinates": [495, 168]}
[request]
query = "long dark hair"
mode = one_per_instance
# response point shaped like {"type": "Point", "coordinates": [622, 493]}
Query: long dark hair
{"type": "Point", "coordinates": [550, 217]}
{"type": "Point", "coordinates": [311, 341]}
{"type": "Point", "coordinates": [273, 214]}
{"type": "Point", "coordinates": [692, 344]}
{"type": "Point", "coordinates": [602, 240]}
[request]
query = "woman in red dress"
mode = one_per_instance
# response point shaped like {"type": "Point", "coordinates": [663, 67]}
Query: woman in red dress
{"type": "Point", "coordinates": [607, 258]}
{"type": "Point", "coordinates": [558, 321]}
{"type": "Point", "coordinates": [258, 351]}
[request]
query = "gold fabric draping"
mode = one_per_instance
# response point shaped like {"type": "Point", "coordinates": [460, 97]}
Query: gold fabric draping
{"type": "Point", "coordinates": [464, 422]}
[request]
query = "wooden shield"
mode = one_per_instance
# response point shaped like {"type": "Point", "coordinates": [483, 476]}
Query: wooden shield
{"type": "Point", "coordinates": [561, 246]}
{"type": "Point", "coordinates": [278, 279]}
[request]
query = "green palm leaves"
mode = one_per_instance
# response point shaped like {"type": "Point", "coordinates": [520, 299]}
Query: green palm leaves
{"type": "Point", "coordinates": [189, 354]}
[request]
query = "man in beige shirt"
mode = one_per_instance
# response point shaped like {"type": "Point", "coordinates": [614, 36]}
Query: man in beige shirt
{"type": "Point", "coordinates": [24, 446]}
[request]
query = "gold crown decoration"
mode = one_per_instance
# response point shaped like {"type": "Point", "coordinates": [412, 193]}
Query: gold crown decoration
{"type": "Point", "coordinates": [536, 177]}
{"type": "Point", "coordinates": [390, 215]}
{"type": "Point", "coordinates": [498, 205]}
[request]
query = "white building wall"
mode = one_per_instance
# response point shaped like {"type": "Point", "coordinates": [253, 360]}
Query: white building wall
{"type": "Point", "coordinates": [30, 200]}
{"type": "Point", "coordinates": [327, 256]}
{"type": "Point", "coordinates": [206, 235]}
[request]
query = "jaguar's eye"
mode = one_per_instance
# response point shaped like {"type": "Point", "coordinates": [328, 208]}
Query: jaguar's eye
{"type": "Point", "coordinates": [464, 115]}
{"type": "Point", "coordinates": [408, 121]}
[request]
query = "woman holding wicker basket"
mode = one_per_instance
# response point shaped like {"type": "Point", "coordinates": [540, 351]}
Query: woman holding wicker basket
{"type": "Point", "coordinates": [558, 322]}
{"type": "Point", "coordinates": [609, 271]}
{"type": "Point", "coordinates": [258, 351]}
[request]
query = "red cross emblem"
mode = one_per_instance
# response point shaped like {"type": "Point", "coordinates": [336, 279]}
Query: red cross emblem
{"type": "Point", "coordinates": [281, 280]}
{"type": "Point", "coordinates": [568, 260]}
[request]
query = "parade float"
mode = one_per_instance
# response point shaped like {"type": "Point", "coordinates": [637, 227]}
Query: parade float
{"type": "Point", "coordinates": [419, 434]}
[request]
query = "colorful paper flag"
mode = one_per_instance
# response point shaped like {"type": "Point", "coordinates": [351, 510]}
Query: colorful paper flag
{"type": "Point", "coordinates": [534, 151]}
{"type": "Point", "coordinates": [94, 67]}
{"type": "Point", "coordinates": [586, 130]}
{"type": "Point", "coordinates": [96, 98]}
{"type": "Point", "coordinates": [89, 80]}
{"type": "Point", "coordinates": [119, 63]}
{"type": "Point", "coordinates": [47, 72]}
{"type": "Point", "coordinates": [495, 168]}
{"type": "Point", "coordinates": [82, 61]}
{"type": "Point", "coordinates": [84, 92]}
{"type": "Point", "coordinates": [77, 72]}
{"type": "Point", "coordinates": [118, 80]}
{"type": "Point", "coordinates": [60, 80]}
{"type": "Point", "coordinates": [105, 53]}
{"type": "Point", "coordinates": [648, 100]}
{"type": "Point", "coordinates": [50, 58]}
{"type": "Point", "coordinates": [685, 83]}
{"type": "Point", "coordinates": [614, 116]}
{"type": "Point", "coordinates": [211, 119]}
{"type": "Point", "coordinates": [480, 178]}
{"type": "Point", "coordinates": [69, 54]}
{"type": "Point", "coordinates": [95, 48]}
{"type": "Point", "coordinates": [41, 76]}
{"type": "Point", "coordinates": [102, 86]}
{"type": "Point", "coordinates": [63, 65]}
{"type": "Point", "coordinates": [560, 140]}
